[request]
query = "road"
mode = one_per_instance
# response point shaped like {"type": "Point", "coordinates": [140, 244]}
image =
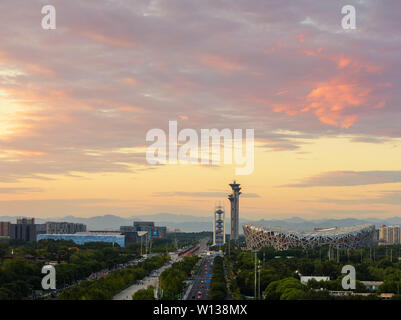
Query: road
{"type": "Point", "coordinates": [94, 276]}
{"type": "Point", "coordinates": [150, 280]}
{"type": "Point", "coordinates": [153, 278]}
{"type": "Point", "coordinates": [201, 284]}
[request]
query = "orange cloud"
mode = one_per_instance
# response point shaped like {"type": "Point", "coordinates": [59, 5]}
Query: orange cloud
{"type": "Point", "coordinates": [131, 109]}
{"type": "Point", "coordinates": [342, 62]}
{"type": "Point", "coordinates": [355, 65]}
{"type": "Point", "coordinates": [335, 103]}
{"type": "Point", "coordinates": [329, 101]}
{"type": "Point", "coordinates": [108, 40]}
{"type": "Point", "coordinates": [40, 69]}
{"type": "Point", "coordinates": [131, 82]}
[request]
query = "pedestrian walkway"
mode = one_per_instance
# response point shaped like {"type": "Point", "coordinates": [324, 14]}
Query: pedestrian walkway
{"type": "Point", "coordinates": [150, 280]}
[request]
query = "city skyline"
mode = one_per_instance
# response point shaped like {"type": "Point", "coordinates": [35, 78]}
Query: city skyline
{"type": "Point", "coordinates": [76, 104]}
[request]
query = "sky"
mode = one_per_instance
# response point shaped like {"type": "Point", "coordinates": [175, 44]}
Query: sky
{"type": "Point", "coordinates": [77, 102]}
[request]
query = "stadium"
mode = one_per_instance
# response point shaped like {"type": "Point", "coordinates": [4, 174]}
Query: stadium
{"type": "Point", "coordinates": [281, 238]}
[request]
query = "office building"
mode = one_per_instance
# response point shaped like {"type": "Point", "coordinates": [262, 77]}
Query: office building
{"type": "Point", "coordinates": [154, 232]}
{"type": "Point", "coordinates": [159, 232]}
{"type": "Point", "coordinates": [144, 226]}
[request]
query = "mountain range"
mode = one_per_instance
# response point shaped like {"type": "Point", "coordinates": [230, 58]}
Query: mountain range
{"type": "Point", "coordinates": [189, 223]}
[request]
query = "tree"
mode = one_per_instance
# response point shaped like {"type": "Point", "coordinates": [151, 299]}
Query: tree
{"type": "Point", "coordinates": [144, 294]}
{"type": "Point", "coordinates": [284, 289]}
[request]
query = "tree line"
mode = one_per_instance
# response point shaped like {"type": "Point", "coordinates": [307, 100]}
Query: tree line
{"type": "Point", "coordinates": [20, 272]}
{"type": "Point", "coordinates": [172, 280]}
{"type": "Point", "coordinates": [218, 288]}
{"type": "Point", "coordinates": [280, 271]}
{"type": "Point", "coordinates": [107, 287]}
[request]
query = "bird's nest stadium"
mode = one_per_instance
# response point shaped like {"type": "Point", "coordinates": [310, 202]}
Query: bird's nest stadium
{"type": "Point", "coordinates": [281, 238]}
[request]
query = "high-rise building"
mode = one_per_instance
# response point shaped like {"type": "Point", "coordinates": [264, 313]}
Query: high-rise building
{"type": "Point", "coordinates": [4, 229]}
{"type": "Point", "coordinates": [394, 234]}
{"type": "Point", "coordinates": [24, 229]}
{"type": "Point", "coordinates": [40, 228]}
{"type": "Point", "coordinates": [389, 234]}
{"type": "Point", "coordinates": [219, 230]}
{"type": "Point", "coordinates": [234, 205]}
{"type": "Point", "coordinates": [64, 227]}
{"type": "Point", "coordinates": [23, 220]}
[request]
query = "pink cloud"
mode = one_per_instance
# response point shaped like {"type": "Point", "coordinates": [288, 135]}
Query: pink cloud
{"type": "Point", "coordinates": [220, 63]}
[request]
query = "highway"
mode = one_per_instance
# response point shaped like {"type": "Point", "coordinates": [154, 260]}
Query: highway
{"type": "Point", "coordinates": [201, 283]}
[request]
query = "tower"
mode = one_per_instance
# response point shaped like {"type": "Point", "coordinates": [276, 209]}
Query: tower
{"type": "Point", "coordinates": [219, 229]}
{"type": "Point", "coordinates": [234, 205]}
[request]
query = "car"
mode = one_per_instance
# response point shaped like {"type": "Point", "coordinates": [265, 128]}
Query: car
{"type": "Point", "coordinates": [202, 286]}
{"type": "Point", "coordinates": [193, 297]}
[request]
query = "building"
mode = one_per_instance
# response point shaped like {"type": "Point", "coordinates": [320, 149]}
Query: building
{"type": "Point", "coordinates": [5, 229]}
{"type": "Point", "coordinates": [129, 233]}
{"type": "Point", "coordinates": [234, 205]}
{"type": "Point", "coordinates": [23, 220]}
{"type": "Point", "coordinates": [306, 279]}
{"type": "Point", "coordinates": [154, 232]}
{"type": "Point", "coordinates": [372, 285]}
{"type": "Point", "coordinates": [23, 230]}
{"type": "Point", "coordinates": [82, 238]}
{"type": "Point", "coordinates": [281, 238]}
{"type": "Point", "coordinates": [389, 234]}
{"type": "Point", "coordinates": [219, 229]}
{"type": "Point", "coordinates": [40, 228]}
{"type": "Point", "coordinates": [144, 226]}
{"type": "Point", "coordinates": [127, 229]}
{"type": "Point", "coordinates": [159, 232]}
{"type": "Point", "coordinates": [64, 227]}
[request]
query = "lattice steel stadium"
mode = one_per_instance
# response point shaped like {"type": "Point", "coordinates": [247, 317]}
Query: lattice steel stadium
{"type": "Point", "coordinates": [281, 238]}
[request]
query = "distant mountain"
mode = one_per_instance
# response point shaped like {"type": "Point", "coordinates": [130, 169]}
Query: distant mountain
{"type": "Point", "coordinates": [189, 223]}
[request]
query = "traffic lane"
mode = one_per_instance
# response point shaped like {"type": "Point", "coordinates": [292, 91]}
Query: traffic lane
{"type": "Point", "coordinates": [202, 281]}
{"type": "Point", "coordinates": [194, 294]}
{"type": "Point", "coordinates": [205, 282]}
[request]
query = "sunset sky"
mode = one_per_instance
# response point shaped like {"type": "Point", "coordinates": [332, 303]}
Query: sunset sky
{"type": "Point", "coordinates": [76, 104]}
